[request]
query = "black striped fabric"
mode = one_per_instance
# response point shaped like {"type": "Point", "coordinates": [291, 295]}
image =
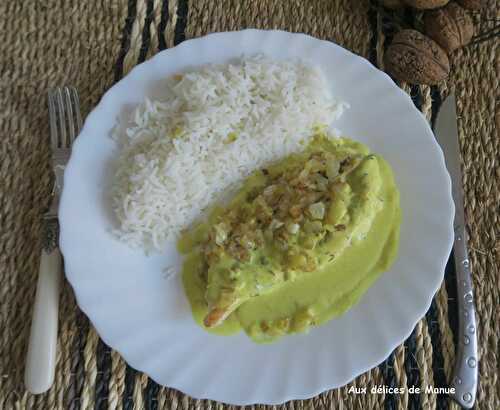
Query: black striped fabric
{"type": "Point", "coordinates": [104, 366]}
{"type": "Point", "coordinates": [128, 399]}
{"type": "Point", "coordinates": [103, 375]}
{"type": "Point", "coordinates": [78, 360]}
{"type": "Point", "coordinates": [162, 45]}
{"type": "Point", "coordinates": [180, 27]}
{"type": "Point", "coordinates": [125, 46]}
{"type": "Point", "coordinates": [146, 32]}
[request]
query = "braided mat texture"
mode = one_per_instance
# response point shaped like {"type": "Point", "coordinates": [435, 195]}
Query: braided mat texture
{"type": "Point", "coordinates": [92, 44]}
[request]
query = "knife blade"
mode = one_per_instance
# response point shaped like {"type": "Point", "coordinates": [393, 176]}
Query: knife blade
{"type": "Point", "coordinates": [465, 376]}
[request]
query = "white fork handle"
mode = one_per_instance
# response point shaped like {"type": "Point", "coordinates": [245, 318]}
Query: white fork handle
{"type": "Point", "coordinates": [41, 358]}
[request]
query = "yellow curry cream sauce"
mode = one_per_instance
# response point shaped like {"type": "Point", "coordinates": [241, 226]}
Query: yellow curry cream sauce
{"type": "Point", "coordinates": [298, 245]}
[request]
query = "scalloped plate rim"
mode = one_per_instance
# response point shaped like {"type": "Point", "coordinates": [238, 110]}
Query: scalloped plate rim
{"type": "Point", "coordinates": [100, 326]}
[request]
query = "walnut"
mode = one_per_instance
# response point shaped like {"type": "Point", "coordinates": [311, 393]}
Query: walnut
{"type": "Point", "coordinates": [451, 27]}
{"type": "Point", "coordinates": [426, 4]}
{"type": "Point", "coordinates": [415, 58]}
{"type": "Point", "coordinates": [473, 4]}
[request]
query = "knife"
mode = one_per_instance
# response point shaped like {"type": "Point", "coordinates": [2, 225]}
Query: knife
{"type": "Point", "coordinates": [464, 379]}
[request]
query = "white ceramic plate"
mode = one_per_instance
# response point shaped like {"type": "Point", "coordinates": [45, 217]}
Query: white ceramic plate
{"type": "Point", "coordinates": [146, 317]}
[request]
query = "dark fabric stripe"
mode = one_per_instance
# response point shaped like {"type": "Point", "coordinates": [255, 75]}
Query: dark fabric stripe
{"type": "Point", "coordinates": [78, 360]}
{"type": "Point", "coordinates": [372, 19]}
{"type": "Point", "coordinates": [103, 375]}
{"type": "Point", "coordinates": [180, 26]}
{"type": "Point", "coordinates": [436, 104]}
{"type": "Point", "coordinates": [146, 32]}
{"type": "Point", "coordinates": [412, 370]}
{"type": "Point", "coordinates": [150, 395]}
{"type": "Point", "coordinates": [437, 355]}
{"type": "Point", "coordinates": [162, 45]}
{"type": "Point", "coordinates": [387, 370]}
{"type": "Point", "coordinates": [128, 399]}
{"type": "Point", "coordinates": [127, 30]}
{"type": "Point", "coordinates": [409, 17]}
{"type": "Point", "coordinates": [416, 96]}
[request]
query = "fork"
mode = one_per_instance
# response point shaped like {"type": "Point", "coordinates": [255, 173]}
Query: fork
{"type": "Point", "coordinates": [65, 124]}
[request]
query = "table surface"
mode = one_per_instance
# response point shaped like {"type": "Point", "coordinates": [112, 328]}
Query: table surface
{"type": "Point", "coordinates": [91, 45]}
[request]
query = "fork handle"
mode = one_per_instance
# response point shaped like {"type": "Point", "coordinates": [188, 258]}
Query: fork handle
{"type": "Point", "coordinates": [41, 358]}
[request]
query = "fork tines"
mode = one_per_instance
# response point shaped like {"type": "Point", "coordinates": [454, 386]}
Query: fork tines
{"type": "Point", "coordinates": [65, 118]}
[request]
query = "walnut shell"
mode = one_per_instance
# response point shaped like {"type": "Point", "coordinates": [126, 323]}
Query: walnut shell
{"type": "Point", "coordinates": [473, 4]}
{"type": "Point", "coordinates": [426, 4]}
{"type": "Point", "coordinates": [392, 4]}
{"type": "Point", "coordinates": [417, 59]}
{"type": "Point", "coordinates": [451, 27]}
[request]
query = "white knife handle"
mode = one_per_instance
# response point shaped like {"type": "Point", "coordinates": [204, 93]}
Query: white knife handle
{"type": "Point", "coordinates": [41, 358]}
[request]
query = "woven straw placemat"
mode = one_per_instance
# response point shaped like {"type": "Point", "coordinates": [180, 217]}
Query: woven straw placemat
{"type": "Point", "coordinates": [91, 44]}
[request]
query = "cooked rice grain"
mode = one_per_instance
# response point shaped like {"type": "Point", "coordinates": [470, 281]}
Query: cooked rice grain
{"type": "Point", "coordinates": [215, 126]}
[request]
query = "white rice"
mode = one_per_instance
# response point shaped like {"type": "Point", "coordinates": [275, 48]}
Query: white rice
{"type": "Point", "coordinates": [177, 157]}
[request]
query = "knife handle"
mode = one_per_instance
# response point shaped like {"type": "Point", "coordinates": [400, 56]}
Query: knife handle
{"type": "Point", "coordinates": [465, 373]}
{"type": "Point", "coordinates": [41, 357]}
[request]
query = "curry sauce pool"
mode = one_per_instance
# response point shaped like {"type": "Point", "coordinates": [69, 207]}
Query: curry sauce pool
{"type": "Point", "coordinates": [299, 244]}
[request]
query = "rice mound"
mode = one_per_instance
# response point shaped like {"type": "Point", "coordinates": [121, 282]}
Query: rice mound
{"type": "Point", "coordinates": [215, 126]}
